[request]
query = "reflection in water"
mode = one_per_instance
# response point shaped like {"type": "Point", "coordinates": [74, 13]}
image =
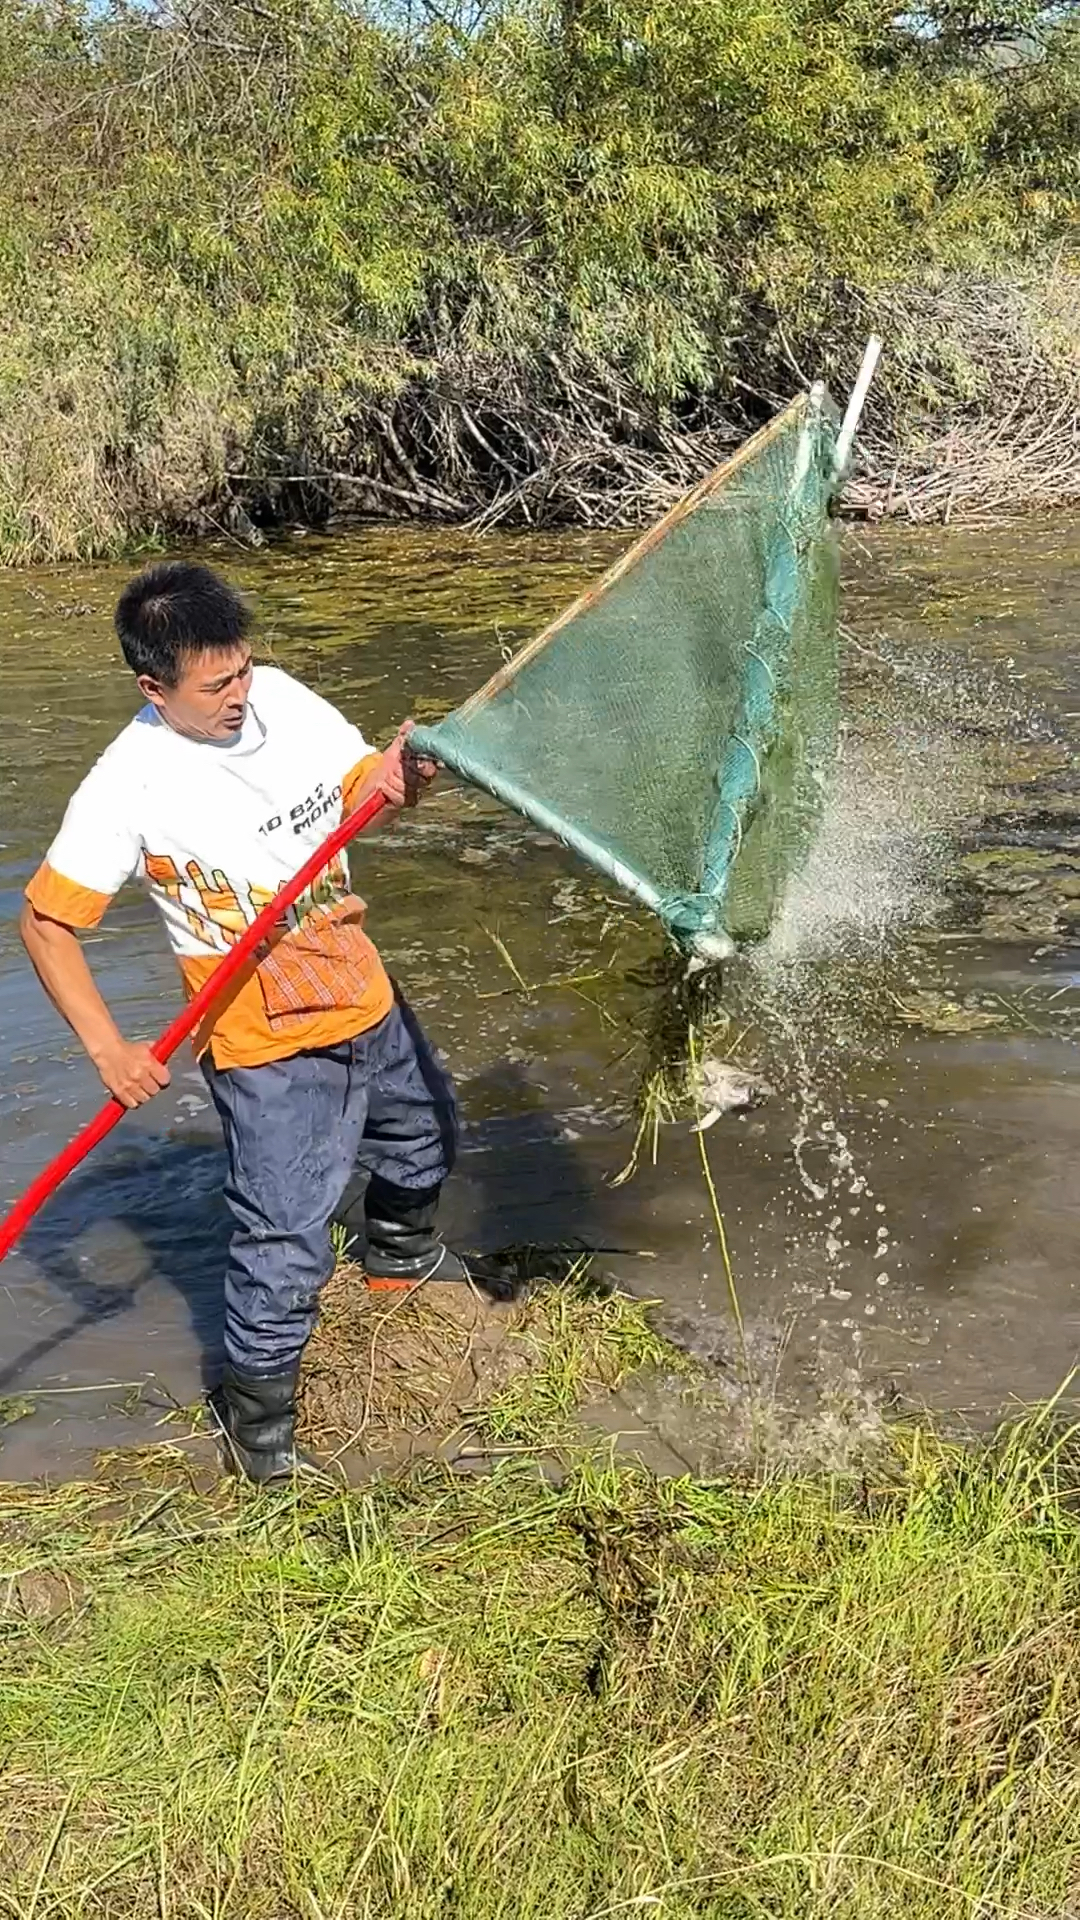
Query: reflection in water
{"type": "Point", "coordinates": [902, 1210]}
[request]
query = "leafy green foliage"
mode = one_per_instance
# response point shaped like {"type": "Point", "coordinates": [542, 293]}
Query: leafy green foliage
{"type": "Point", "coordinates": [231, 238]}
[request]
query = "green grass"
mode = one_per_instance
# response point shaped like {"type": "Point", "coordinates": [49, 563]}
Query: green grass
{"type": "Point", "coordinates": [499, 1698]}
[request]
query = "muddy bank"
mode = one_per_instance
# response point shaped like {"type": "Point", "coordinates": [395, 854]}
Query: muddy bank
{"type": "Point", "coordinates": [442, 1372]}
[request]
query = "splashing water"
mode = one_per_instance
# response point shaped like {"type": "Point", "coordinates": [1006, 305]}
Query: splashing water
{"type": "Point", "coordinates": [820, 990]}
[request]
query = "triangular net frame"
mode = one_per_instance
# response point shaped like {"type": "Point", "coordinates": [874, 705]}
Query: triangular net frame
{"type": "Point", "coordinates": [675, 724]}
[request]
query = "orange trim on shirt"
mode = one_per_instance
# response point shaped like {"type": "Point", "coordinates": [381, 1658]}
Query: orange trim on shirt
{"type": "Point", "coordinates": [56, 897]}
{"type": "Point", "coordinates": [353, 784]}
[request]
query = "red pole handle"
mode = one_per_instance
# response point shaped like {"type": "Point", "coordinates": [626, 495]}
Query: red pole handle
{"type": "Point", "coordinates": [47, 1182]}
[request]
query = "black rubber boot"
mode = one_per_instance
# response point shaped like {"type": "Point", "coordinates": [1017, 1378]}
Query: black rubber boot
{"type": "Point", "coordinates": [404, 1246]}
{"type": "Point", "coordinates": [258, 1420]}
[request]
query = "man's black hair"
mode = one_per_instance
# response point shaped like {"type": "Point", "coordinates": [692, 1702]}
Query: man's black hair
{"type": "Point", "coordinates": [173, 610]}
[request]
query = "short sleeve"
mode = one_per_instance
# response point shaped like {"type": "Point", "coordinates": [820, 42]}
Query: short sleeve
{"type": "Point", "coordinates": [95, 851]}
{"type": "Point", "coordinates": [350, 757]}
{"type": "Point", "coordinates": [342, 743]}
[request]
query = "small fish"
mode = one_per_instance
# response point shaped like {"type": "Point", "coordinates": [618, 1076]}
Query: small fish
{"type": "Point", "coordinates": [721, 1087]}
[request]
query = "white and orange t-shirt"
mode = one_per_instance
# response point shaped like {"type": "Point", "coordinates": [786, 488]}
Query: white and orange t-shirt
{"type": "Point", "coordinates": [213, 829]}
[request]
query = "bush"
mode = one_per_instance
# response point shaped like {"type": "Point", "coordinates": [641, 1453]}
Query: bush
{"type": "Point", "coordinates": [290, 255]}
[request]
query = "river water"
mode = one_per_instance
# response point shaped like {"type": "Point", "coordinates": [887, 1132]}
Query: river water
{"type": "Point", "coordinates": [902, 1213]}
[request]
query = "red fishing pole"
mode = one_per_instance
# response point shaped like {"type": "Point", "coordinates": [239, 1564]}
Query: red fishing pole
{"type": "Point", "coordinates": [47, 1182]}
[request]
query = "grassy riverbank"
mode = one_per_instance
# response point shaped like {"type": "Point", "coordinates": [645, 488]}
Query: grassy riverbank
{"type": "Point", "coordinates": [532, 260]}
{"type": "Point", "coordinates": [548, 1701]}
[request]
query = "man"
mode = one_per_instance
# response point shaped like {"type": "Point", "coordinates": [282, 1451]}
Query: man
{"type": "Point", "coordinates": [213, 796]}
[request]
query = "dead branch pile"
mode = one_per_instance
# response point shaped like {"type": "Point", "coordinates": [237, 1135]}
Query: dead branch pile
{"type": "Point", "coordinates": [976, 411]}
{"type": "Point", "coordinates": [979, 411]}
{"type": "Point", "coordinates": [474, 444]}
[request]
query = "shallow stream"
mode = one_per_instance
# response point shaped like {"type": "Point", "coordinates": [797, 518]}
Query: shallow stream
{"type": "Point", "coordinates": [903, 1214]}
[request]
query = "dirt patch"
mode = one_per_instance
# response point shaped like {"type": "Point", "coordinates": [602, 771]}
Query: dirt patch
{"type": "Point", "coordinates": [442, 1370]}
{"type": "Point", "coordinates": [385, 1365]}
{"type": "Point", "coordinates": [40, 1594]}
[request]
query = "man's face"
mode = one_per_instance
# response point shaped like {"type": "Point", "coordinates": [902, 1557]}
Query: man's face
{"type": "Point", "coordinates": [210, 697]}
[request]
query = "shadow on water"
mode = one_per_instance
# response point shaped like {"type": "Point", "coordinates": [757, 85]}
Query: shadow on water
{"type": "Point", "coordinates": [155, 1215]}
{"type": "Point", "coordinates": [159, 1215]}
{"type": "Point", "coordinates": [525, 1181]}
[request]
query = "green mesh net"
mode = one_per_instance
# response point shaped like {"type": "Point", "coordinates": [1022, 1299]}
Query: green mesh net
{"type": "Point", "coordinates": [674, 725]}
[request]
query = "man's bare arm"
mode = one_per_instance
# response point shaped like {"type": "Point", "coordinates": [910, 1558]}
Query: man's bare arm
{"type": "Point", "coordinates": [127, 1067]}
